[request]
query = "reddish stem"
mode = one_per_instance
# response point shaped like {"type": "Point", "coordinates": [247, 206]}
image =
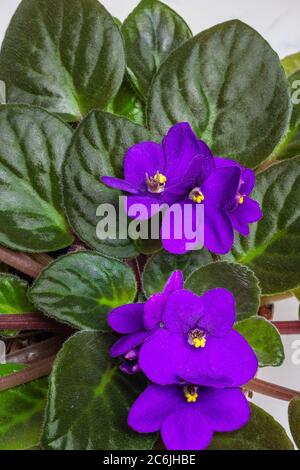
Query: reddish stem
{"type": "Point", "coordinates": [37, 351]}
{"type": "Point", "coordinates": [271, 390]}
{"type": "Point", "coordinates": [30, 321]}
{"type": "Point", "coordinates": [287, 327]}
{"type": "Point", "coordinates": [20, 261]}
{"type": "Point", "coordinates": [35, 371]}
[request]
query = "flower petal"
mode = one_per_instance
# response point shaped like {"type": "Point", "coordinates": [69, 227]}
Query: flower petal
{"type": "Point", "coordinates": [218, 230]}
{"type": "Point", "coordinates": [229, 358]}
{"type": "Point", "coordinates": [247, 181]}
{"type": "Point", "coordinates": [153, 310]}
{"type": "Point", "coordinates": [249, 211]}
{"type": "Point", "coordinates": [147, 206]}
{"type": "Point", "coordinates": [239, 224]}
{"type": "Point", "coordinates": [221, 187]}
{"type": "Point", "coordinates": [182, 312]}
{"type": "Point", "coordinates": [129, 342]}
{"type": "Point", "coordinates": [227, 410]}
{"type": "Point", "coordinates": [117, 183]}
{"type": "Point", "coordinates": [218, 311]}
{"type": "Point", "coordinates": [127, 318]}
{"type": "Point", "coordinates": [175, 282]}
{"type": "Point", "coordinates": [141, 159]}
{"type": "Point", "coordinates": [153, 406]}
{"type": "Point", "coordinates": [187, 429]}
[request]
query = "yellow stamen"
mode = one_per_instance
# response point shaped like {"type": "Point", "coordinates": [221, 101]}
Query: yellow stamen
{"type": "Point", "coordinates": [241, 199]}
{"type": "Point", "coordinates": [196, 195]}
{"type": "Point", "coordinates": [190, 393]}
{"type": "Point", "coordinates": [160, 178]}
{"type": "Point", "coordinates": [199, 342]}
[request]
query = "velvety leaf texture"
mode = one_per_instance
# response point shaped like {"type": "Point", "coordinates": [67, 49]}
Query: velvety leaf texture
{"type": "Point", "coordinates": [151, 32]}
{"type": "Point", "coordinates": [21, 411]}
{"type": "Point", "coordinates": [261, 433]}
{"type": "Point", "coordinates": [291, 63]}
{"type": "Point", "coordinates": [13, 298]}
{"type": "Point", "coordinates": [294, 419]}
{"type": "Point", "coordinates": [32, 148]}
{"type": "Point", "coordinates": [98, 421]}
{"type": "Point", "coordinates": [127, 104]}
{"type": "Point", "coordinates": [161, 265]}
{"type": "Point", "coordinates": [264, 340]}
{"type": "Point", "coordinates": [234, 277]}
{"type": "Point", "coordinates": [272, 250]}
{"type": "Point", "coordinates": [98, 149]}
{"type": "Point", "coordinates": [81, 288]}
{"type": "Point", "coordinates": [64, 55]}
{"type": "Point", "coordinates": [229, 84]}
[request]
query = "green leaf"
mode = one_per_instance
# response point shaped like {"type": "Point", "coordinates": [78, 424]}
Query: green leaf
{"type": "Point", "coordinates": [65, 57]}
{"type": "Point", "coordinates": [229, 84]}
{"type": "Point", "coordinates": [272, 250]}
{"type": "Point", "coordinates": [290, 146]}
{"type": "Point", "coordinates": [151, 32]}
{"type": "Point", "coordinates": [234, 277]}
{"type": "Point", "coordinates": [32, 148]}
{"type": "Point", "coordinates": [291, 63]}
{"type": "Point", "coordinates": [90, 398]}
{"type": "Point", "coordinates": [81, 288]}
{"type": "Point", "coordinates": [161, 265]}
{"type": "Point", "coordinates": [264, 339]}
{"type": "Point", "coordinates": [13, 298]}
{"type": "Point", "coordinates": [98, 149]}
{"type": "Point", "coordinates": [127, 104]}
{"type": "Point", "coordinates": [261, 433]}
{"type": "Point", "coordinates": [294, 419]}
{"type": "Point", "coordinates": [21, 411]}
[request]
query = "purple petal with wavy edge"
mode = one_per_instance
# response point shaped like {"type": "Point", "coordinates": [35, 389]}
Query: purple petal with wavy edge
{"type": "Point", "coordinates": [218, 315]}
{"type": "Point", "coordinates": [229, 357]}
{"type": "Point", "coordinates": [218, 230]}
{"type": "Point", "coordinates": [129, 342]}
{"type": "Point", "coordinates": [146, 207]}
{"type": "Point", "coordinates": [188, 428]}
{"type": "Point", "coordinates": [180, 146]}
{"type": "Point", "coordinates": [182, 227]}
{"type": "Point", "coordinates": [239, 225]}
{"type": "Point", "coordinates": [226, 162]}
{"type": "Point", "coordinates": [127, 318]}
{"type": "Point", "coordinates": [183, 312]}
{"type": "Point", "coordinates": [141, 159]}
{"type": "Point", "coordinates": [227, 410]}
{"type": "Point", "coordinates": [153, 310]}
{"type": "Point", "coordinates": [175, 282]}
{"type": "Point", "coordinates": [153, 406]}
{"type": "Point", "coordinates": [117, 183]}
{"type": "Point", "coordinates": [247, 181]}
{"type": "Point", "coordinates": [221, 187]}
{"type": "Point", "coordinates": [249, 211]}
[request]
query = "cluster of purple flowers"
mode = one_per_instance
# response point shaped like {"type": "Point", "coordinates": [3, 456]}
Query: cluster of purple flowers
{"type": "Point", "coordinates": [182, 170]}
{"type": "Point", "coordinates": [196, 362]}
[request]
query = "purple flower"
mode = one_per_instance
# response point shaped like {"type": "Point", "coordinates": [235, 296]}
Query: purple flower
{"type": "Point", "coordinates": [244, 210]}
{"type": "Point", "coordinates": [182, 337]}
{"type": "Point", "coordinates": [187, 415]}
{"type": "Point", "coordinates": [181, 171]}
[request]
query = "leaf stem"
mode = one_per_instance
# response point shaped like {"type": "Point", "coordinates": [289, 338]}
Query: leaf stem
{"type": "Point", "coordinates": [287, 327]}
{"type": "Point", "coordinates": [35, 371]}
{"type": "Point", "coordinates": [31, 321]}
{"type": "Point", "coordinates": [20, 261]}
{"type": "Point", "coordinates": [271, 390]}
{"type": "Point", "coordinates": [37, 351]}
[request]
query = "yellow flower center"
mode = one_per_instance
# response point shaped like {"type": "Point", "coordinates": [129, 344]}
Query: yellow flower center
{"type": "Point", "coordinates": [197, 338]}
{"type": "Point", "coordinates": [156, 183]}
{"type": "Point", "coordinates": [199, 342]}
{"type": "Point", "coordinates": [196, 195]}
{"type": "Point", "coordinates": [190, 393]}
{"type": "Point", "coordinates": [241, 199]}
{"type": "Point", "coordinates": [160, 178]}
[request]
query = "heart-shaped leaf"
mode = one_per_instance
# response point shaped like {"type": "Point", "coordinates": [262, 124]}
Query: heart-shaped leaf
{"type": "Point", "coordinates": [98, 149]}
{"type": "Point", "coordinates": [151, 32]}
{"type": "Point", "coordinates": [32, 148]}
{"type": "Point", "coordinates": [81, 288]}
{"type": "Point", "coordinates": [67, 57]}
{"type": "Point", "coordinates": [272, 250]}
{"type": "Point", "coordinates": [90, 398]}
{"type": "Point", "coordinates": [127, 104]}
{"type": "Point", "coordinates": [294, 419]}
{"type": "Point", "coordinates": [290, 146]}
{"type": "Point", "coordinates": [13, 298]}
{"type": "Point", "coordinates": [161, 265]}
{"type": "Point", "coordinates": [261, 433]}
{"type": "Point", "coordinates": [234, 277]}
{"type": "Point", "coordinates": [291, 63]}
{"type": "Point", "coordinates": [264, 339]}
{"type": "Point", "coordinates": [21, 412]}
{"type": "Point", "coordinates": [229, 84]}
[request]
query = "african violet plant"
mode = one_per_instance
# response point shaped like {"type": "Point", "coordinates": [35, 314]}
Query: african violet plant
{"type": "Point", "coordinates": [143, 335]}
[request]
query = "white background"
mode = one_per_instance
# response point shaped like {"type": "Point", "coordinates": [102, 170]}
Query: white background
{"type": "Point", "coordinates": [278, 22]}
